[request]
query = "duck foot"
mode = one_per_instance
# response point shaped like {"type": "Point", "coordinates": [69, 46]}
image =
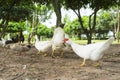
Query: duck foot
{"type": "Point", "coordinates": [97, 65]}
{"type": "Point", "coordinates": [83, 63]}
{"type": "Point", "coordinates": [53, 56]}
{"type": "Point", "coordinates": [45, 54]}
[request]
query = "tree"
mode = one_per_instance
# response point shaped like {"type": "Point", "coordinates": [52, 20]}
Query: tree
{"type": "Point", "coordinates": [9, 11]}
{"type": "Point", "coordinates": [14, 27]}
{"type": "Point", "coordinates": [72, 28]}
{"type": "Point", "coordinates": [95, 5]}
{"type": "Point", "coordinates": [21, 11]}
{"type": "Point", "coordinates": [44, 31]}
{"type": "Point", "coordinates": [57, 8]}
{"type": "Point", "coordinates": [107, 20]}
{"type": "Point", "coordinates": [56, 4]}
{"type": "Point", "coordinates": [39, 15]}
{"type": "Point", "coordinates": [118, 29]}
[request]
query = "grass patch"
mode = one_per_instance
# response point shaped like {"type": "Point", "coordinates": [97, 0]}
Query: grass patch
{"type": "Point", "coordinates": [93, 41]}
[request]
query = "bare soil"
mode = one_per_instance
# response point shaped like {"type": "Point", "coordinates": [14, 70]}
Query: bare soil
{"type": "Point", "coordinates": [31, 66]}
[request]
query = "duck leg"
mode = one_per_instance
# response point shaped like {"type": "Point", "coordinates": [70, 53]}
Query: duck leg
{"type": "Point", "coordinates": [53, 53]}
{"type": "Point", "coordinates": [45, 54]}
{"type": "Point", "coordinates": [62, 54]}
{"type": "Point", "coordinates": [97, 64]}
{"type": "Point", "coordinates": [38, 53]}
{"type": "Point", "coordinates": [83, 63]}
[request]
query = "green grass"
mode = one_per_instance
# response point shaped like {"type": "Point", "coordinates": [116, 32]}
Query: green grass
{"type": "Point", "coordinates": [81, 41]}
{"type": "Point", "coordinates": [93, 41]}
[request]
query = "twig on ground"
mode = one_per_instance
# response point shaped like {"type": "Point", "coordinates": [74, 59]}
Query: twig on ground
{"type": "Point", "coordinates": [18, 76]}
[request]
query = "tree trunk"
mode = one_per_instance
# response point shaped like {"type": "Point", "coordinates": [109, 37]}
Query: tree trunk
{"type": "Point", "coordinates": [118, 28]}
{"type": "Point", "coordinates": [89, 39]}
{"type": "Point", "coordinates": [57, 9]}
{"type": "Point", "coordinates": [89, 31]}
{"type": "Point", "coordinates": [4, 27]}
{"type": "Point", "coordinates": [33, 28]}
{"type": "Point", "coordinates": [115, 30]}
{"type": "Point", "coordinates": [29, 39]}
{"type": "Point", "coordinates": [6, 18]}
{"type": "Point", "coordinates": [91, 27]}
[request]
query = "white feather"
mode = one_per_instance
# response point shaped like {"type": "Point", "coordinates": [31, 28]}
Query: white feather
{"type": "Point", "coordinates": [93, 51]}
{"type": "Point", "coordinates": [58, 38]}
{"type": "Point", "coordinates": [2, 42]}
{"type": "Point", "coordinates": [43, 46]}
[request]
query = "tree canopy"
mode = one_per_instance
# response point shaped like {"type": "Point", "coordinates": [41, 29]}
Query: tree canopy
{"type": "Point", "coordinates": [95, 5]}
{"type": "Point", "coordinates": [14, 15]}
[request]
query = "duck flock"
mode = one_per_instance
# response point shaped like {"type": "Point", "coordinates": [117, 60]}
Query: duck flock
{"type": "Point", "coordinates": [60, 43]}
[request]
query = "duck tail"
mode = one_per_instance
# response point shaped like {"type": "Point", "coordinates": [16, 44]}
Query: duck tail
{"type": "Point", "coordinates": [109, 41]}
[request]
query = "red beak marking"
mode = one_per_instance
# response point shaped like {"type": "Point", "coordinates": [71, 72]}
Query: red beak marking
{"type": "Point", "coordinates": [65, 39]}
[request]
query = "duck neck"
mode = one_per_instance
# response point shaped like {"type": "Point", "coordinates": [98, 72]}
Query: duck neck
{"type": "Point", "coordinates": [37, 40]}
{"type": "Point", "coordinates": [69, 42]}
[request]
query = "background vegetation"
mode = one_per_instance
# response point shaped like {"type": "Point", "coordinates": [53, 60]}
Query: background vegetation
{"type": "Point", "coordinates": [29, 15]}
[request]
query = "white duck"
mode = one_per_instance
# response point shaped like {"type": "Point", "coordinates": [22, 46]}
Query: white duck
{"type": "Point", "coordinates": [67, 47]}
{"type": "Point", "coordinates": [93, 51]}
{"type": "Point", "coordinates": [2, 42]}
{"type": "Point", "coordinates": [58, 41]}
{"type": "Point", "coordinates": [43, 46]}
{"type": "Point", "coordinates": [9, 38]}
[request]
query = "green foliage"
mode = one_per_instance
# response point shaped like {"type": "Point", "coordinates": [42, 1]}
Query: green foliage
{"type": "Point", "coordinates": [14, 27]}
{"type": "Point", "coordinates": [44, 12]}
{"type": "Point", "coordinates": [75, 4]}
{"type": "Point", "coordinates": [73, 27]}
{"type": "Point", "coordinates": [95, 5]}
{"type": "Point", "coordinates": [102, 4]}
{"type": "Point", "coordinates": [118, 35]}
{"type": "Point", "coordinates": [106, 20]}
{"type": "Point", "coordinates": [85, 20]}
{"type": "Point", "coordinates": [15, 10]}
{"type": "Point", "coordinates": [42, 30]}
{"type": "Point", "coordinates": [66, 19]}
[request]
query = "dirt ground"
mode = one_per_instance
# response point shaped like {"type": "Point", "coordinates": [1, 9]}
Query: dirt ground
{"type": "Point", "coordinates": [31, 66]}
